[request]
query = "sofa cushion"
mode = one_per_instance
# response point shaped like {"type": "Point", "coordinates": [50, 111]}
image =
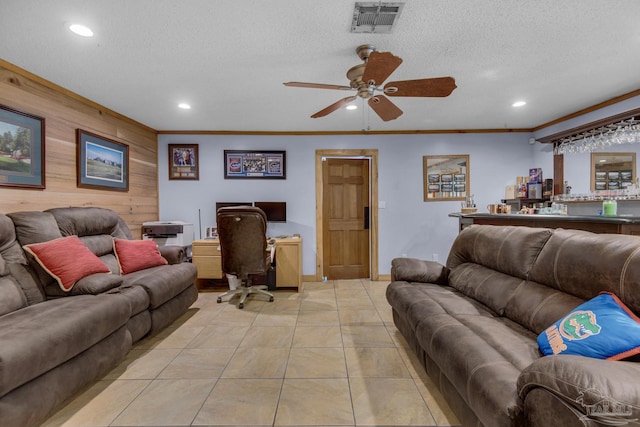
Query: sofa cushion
{"type": "Point", "coordinates": [67, 260]}
{"type": "Point", "coordinates": [134, 255]}
{"type": "Point", "coordinates": [603, 328]}
{"type": "Point", "coordinates": [611, 264]}
{"type": "Point", "coordinates": [163, 282]}
{"type": "Point", "coordinates": [11, 296]}
{"type": "Point", "coordinates": [491, 287]}
{"type": "Point", "coordinates": [92, 284]}
{"type": "Point", "coordinates": [536, 306]}
{"type": "Point", "coordinates": [507, 249]}
{"type": "Point", "coordinates": [87, 221]}
{"type": "Point", "coordinates": [38, 338]}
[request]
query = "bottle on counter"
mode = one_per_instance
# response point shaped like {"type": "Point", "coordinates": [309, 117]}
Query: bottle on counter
{"type": "Point", "coordinates": [609, 207]}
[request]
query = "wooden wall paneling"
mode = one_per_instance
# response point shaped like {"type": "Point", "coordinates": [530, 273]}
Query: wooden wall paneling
{"type": "Point", "coordinates": [64, 112]}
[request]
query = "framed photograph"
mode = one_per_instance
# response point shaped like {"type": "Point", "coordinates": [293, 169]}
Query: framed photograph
{"type": "Point", "coordinates": [21, 149]}
{"type": "Point", "coordinates": [453, 173]}
{"type": "Point", "coordinates": [183, 161]}
{"type": "Point", "coordinates": [103, 164]}
{"type": "Point", "coordinates": [611, 171]}
{"type": "Point", "coordinates": [433, 178]}
{"type": "Point", "coordinates": [255, 164]}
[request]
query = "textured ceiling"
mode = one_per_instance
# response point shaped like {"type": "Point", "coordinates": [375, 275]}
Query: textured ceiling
{"type": "Point", "coordinates": [229, 58]}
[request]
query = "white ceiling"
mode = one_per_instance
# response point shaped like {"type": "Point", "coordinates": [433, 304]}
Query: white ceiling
{"type": "Point", "coordinates": [229, 58]}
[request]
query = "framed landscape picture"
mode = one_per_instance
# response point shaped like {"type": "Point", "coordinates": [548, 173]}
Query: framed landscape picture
{"type": "Point", "coordinates": [255, 164]}
{"type": "Point", "coordinates": [183, 161]}
{"type": "Point", "coordinates": [21, 149]}
{"type": "Point", "coordinates": [102, 163]}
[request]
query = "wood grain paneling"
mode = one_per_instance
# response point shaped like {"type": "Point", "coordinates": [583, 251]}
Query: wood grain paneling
{"type": "Point", "coordinates": [64, 112]}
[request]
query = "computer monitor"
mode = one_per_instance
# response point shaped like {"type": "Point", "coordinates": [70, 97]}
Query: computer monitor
{"type": "Point", "coordinates": [227, 204]}
{"type": "Point", "coordinates": [275, 211]}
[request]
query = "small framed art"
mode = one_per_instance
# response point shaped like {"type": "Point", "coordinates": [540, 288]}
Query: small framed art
{"type": "Point", "coordinates": [103, 164]}
{"type": "Point", "coordinates": [183, 161]}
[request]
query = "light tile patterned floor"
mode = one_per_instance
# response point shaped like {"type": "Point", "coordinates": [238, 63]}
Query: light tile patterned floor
{"type": "Point", "coordinates": [327, 356]}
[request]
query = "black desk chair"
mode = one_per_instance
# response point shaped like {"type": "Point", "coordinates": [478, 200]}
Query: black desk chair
{"type": "Point", "coordinates": [243, 245]}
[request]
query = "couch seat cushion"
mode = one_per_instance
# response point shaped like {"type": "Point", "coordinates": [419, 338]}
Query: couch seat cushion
{"type": "Point", "coordinates": [163, 282]}
{"type": "Point", "coordinates": [40, 337]}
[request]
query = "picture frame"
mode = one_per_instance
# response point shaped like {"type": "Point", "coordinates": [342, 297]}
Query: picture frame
{"type": "Point", "coordinates": [451, 171]}
{"type": "Point", "coordinates": [613, 170]}
{"type": "Point", "coordinates": [22, 160]}
{"type": "Point", "coordinates": [250, 164]}
{"type": "Point", "coordinates": [103, 163]}
{"type": "Point", "coordinates": [184, 162]}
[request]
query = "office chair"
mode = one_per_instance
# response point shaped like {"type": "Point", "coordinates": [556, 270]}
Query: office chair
{"type": "Point", "coordinates": [243, 245]}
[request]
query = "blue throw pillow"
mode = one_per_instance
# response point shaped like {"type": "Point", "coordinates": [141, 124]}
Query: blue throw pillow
{"type": "Point", "coordinates": [603, 328]}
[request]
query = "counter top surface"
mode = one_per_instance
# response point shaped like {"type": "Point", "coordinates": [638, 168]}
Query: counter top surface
{"type": "Point", "coordinates": [546, 217]}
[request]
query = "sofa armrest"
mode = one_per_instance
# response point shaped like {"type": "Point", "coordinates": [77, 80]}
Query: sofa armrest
{"type": "Point", "coordinates": [598, 388]}
{"type": "Point", "coordinates": [173, 254]}
{"type": "Point", "coordinates": [417, 270]}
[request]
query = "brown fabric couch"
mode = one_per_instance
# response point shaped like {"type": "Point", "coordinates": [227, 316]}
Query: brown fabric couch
{"type": "Point", "coordinates": [54, 343]}
{"type": "Point", "coordinates": [474, 322]}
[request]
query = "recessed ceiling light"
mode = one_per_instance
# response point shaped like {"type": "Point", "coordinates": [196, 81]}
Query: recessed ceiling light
{"type": "Point", "coordinates": [518, 104]}
{"type": "Point", "coordinates": [184, 106]}
{"type": "Point", "coordinates": [351, 107]}
{"type": "Point", "coordinates": [81, 30]}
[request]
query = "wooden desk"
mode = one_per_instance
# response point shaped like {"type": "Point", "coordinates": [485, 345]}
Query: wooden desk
{"type": "Point", "coordinates": [207, 258]}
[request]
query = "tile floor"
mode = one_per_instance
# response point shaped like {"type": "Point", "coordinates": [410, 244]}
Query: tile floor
{"type": "Point", "coordinates": [326, 356]}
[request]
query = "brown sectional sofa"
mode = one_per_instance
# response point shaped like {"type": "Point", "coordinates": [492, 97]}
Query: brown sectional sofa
{"type": "Point", "coordinates": [54, 343]}
{"type": "Point", "coordinates": [473, 324]}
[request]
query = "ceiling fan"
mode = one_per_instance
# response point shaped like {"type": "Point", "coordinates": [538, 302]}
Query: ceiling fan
{"type": "Point", "coordinates": [367, 80]}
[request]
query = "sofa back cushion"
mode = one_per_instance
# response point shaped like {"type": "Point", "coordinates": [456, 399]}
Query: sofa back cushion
{"type": "Point", "coordinates": [584, 264]}
{"type": "Point", "coordinates": [15, 271]}
{"type": "Point", "coordinates": [88, 221]}
{"type": "Point", "coordinates": [489, 263]}
{"type": "Point", "coordinates": [96, 228]}
{"type": "Point", "coordinates": [12, 297]}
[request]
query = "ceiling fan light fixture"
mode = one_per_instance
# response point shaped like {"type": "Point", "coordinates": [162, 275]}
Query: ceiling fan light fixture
{"type": "Point", "coordinates": [351, 107]}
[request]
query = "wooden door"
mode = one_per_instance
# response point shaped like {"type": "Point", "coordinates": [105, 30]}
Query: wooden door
{"type": "Point", "coordinates": [345, 218]}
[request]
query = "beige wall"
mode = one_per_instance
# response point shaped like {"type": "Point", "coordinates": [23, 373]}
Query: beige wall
{"type": "Point", "coordinates": [64, 112]}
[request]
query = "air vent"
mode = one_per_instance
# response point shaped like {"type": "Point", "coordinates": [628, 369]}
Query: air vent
{"type": "Point", "coordinates": [375, 17]}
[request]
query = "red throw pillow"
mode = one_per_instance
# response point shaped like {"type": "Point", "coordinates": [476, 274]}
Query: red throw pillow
{"type": "Point", "coordinates": [67, 260]}
{"type": "Point", "coordinates": [134, 255]}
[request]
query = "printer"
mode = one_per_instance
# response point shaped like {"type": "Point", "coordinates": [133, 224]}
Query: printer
{"type": "Point", "coordinates": [169, 233]}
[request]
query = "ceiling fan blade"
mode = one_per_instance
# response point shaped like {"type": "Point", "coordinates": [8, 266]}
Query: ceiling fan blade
{"type": "Point", "coordinates": [333, 107]}
{"type": "Point", "coordinates": [434, 87]}
{"type": "Point", "coordinates": [317, 86]}
{"type": "Point", "coordinates": [380, 65]}
{"type": "Point", "coordinates": [384, 108]}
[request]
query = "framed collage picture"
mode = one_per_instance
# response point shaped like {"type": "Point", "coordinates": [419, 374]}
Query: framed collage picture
{"type": "Point", "coordinates": [255, 164]}
{"type": "Point", "coordinates": [445, 177]}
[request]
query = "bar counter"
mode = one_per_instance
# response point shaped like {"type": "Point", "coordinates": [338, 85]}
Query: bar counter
{"type": "Point", "coordinates": [595, 224]}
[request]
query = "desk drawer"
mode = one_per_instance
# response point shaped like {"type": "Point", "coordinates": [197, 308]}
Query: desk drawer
{"type": "Point", "coordinates": [206, 250]}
